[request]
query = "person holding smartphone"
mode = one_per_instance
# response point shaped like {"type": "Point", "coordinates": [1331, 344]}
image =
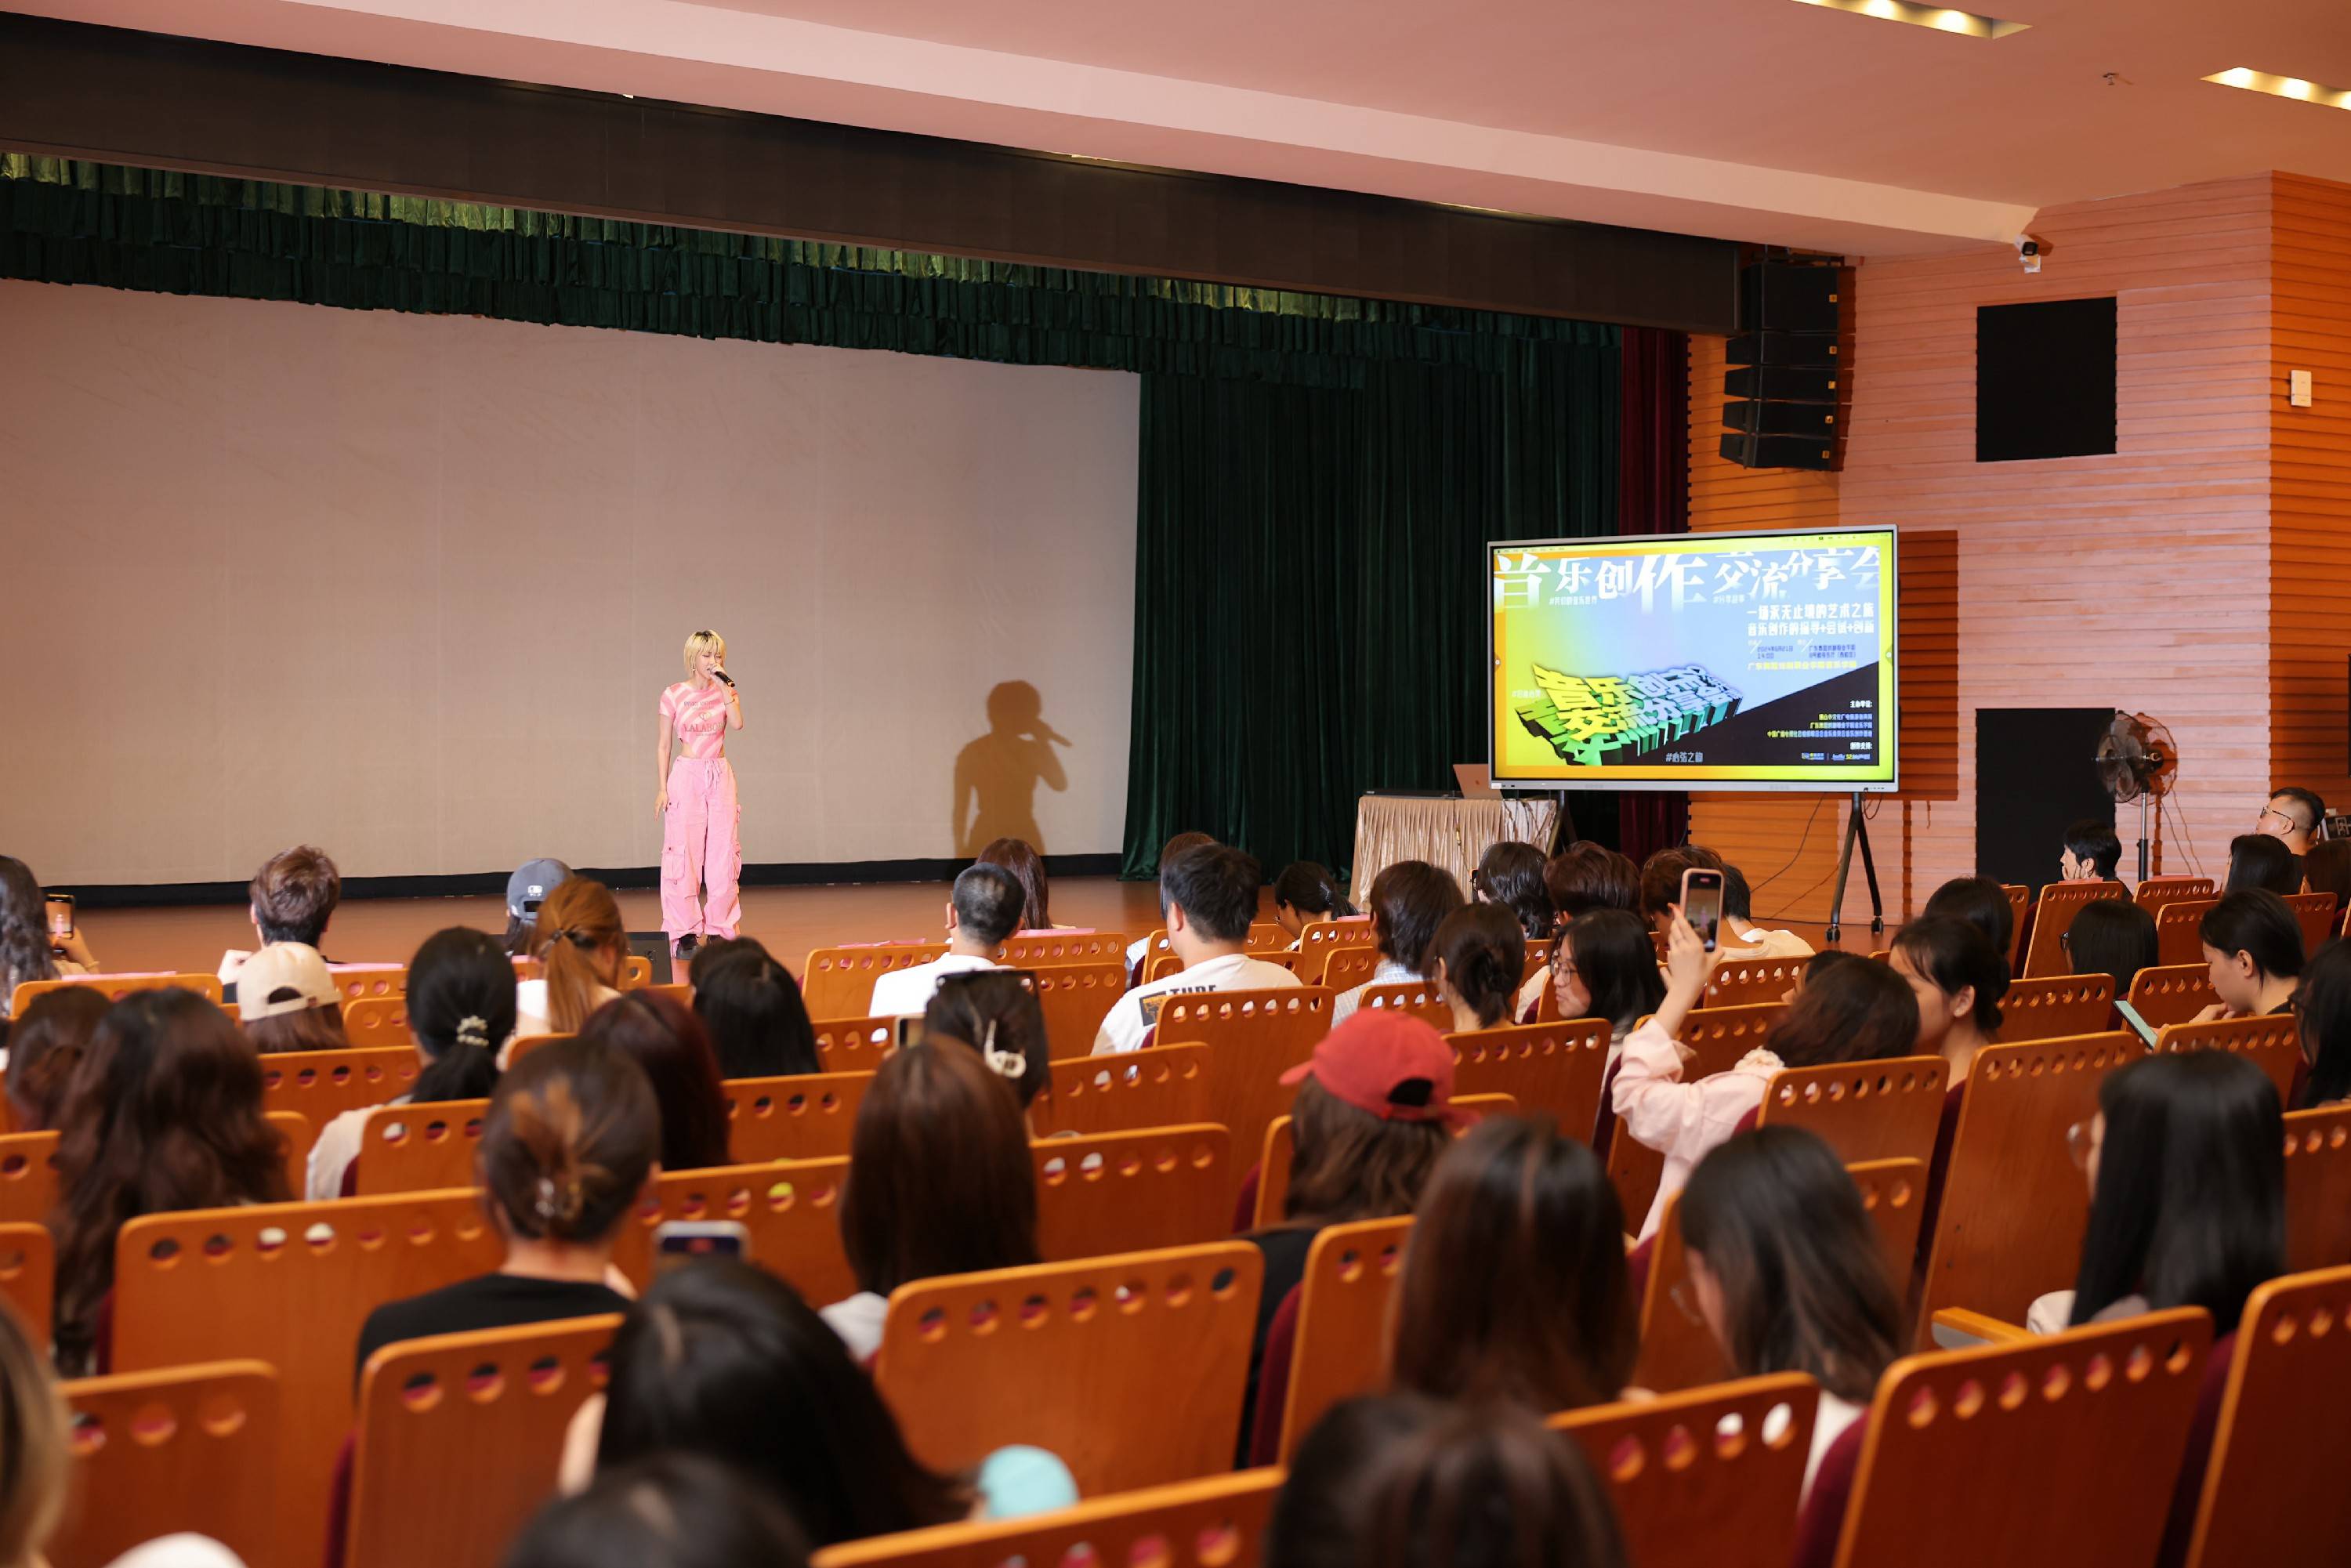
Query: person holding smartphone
{"type": "Point", "coordinates": [702, 822]}
{"type": "Point", "coordinates": [39, 938]}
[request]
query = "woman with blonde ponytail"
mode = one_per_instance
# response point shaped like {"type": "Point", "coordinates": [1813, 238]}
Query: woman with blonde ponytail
{"type": "Point", "coordinates": [572, 1139]}
{"type": "Point", "coordinates": [580, 943]}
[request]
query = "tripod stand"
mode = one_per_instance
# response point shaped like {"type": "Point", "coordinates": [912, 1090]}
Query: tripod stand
{"type": "Point", "coordinates": [1855, 828]}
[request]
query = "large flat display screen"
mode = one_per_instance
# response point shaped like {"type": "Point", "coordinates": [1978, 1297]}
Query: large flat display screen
{"type": "Point", "coordinates": [1761, 661]}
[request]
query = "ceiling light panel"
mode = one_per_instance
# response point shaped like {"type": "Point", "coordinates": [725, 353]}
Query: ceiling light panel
{"type": "Point", "coordinates": [1941, 18]}
{"type": "Point", "coordinates": [2293, 88]}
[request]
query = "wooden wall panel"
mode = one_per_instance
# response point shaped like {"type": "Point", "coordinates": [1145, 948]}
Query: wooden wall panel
{"type": "Point", "coordinates": [2134, 579]}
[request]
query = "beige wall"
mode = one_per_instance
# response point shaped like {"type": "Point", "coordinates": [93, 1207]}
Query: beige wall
{"type": "Point", "coordinates": [409, 587]}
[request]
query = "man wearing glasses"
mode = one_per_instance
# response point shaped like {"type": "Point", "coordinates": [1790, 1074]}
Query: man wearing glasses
{"type": "Point", "coordinates": [2294, 815]}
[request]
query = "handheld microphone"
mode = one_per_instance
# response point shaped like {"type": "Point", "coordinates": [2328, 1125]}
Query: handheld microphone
{"type": "Point", "coordinates": [724, 676]}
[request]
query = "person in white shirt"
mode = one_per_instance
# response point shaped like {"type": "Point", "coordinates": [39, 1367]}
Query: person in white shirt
{"type": "Point", "coordinates": [1742, 938]}
{"type": "Point", "coordinates": [984, 910]}
{"type": "Point", "coordinates": [1208, 895]}
{"type": "Point", "coordinates": [1409, 901]}
{"type": "Point", "coordinates": [1138, 952]}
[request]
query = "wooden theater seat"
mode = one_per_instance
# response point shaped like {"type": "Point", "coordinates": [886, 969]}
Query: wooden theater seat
{"type": "Point", "coordinates": [116, 987]}
{"type": "Point", "coordinates": [2055, 1006]}
{"type": "Point", "coordinates": [368, 983]}
{"type": "Point", "coordinates": [377, 1021]}
{"type": "Point", "coordinates": [1219, 1523]}
{"type": "Point", "coordinates": [188, 1449]}
{"type": "Point", "coordinates": [2013, 1206]}
{"type": "Point", "coordinates": [2044, 948]}
{"type": "Point", "coordinates": [1280, 1151]}
{"type": "Point", "coordinates": [2060, 1450]}
{"type": "Point", "coordinates": [28, 1275]}
{"type": "Point", "coordinates": [28, 1178]}
{"type": "Point", "coordinates": [323, 1084]}
{"type": "Point", "coordinates": [523, 1045]}
{"type": "Point", "coordinates": [855, 1045]}
{"type": "Point", "coordinates": [2318, 1188]}
{"type": "Point", "coordinates": [1743, 982]}
{"type": "Point", "coordinates": [1321, 938]}
{"type": "Point", "coordinates": [2176, 926]}
{"type": "Point", "coordinates": [1344, 1300]}
{"type": "Point", "coordinates": [839, 981]}
{"type": "Point", "coordinates": [1253, 1037]}
{"type": "Point", "coordinates": [290, 1284]}
{"type": "Point", "coordinates": [2172, 993]}
{"type": "Point", "coordinates": [1131, 1367]}
{"type": "Point", "coordinates": [1075, 999]}
{"type": "Point", "coordinates": [1548, 1068]}
{"type": "Point", "coordinates": [1032, 950]}
{"type": "Point", "coordinates": [2158, 890]}
{"type": "Point", "coordinates": [789, 1208]}
{"type": "Point", "coordinates": [1705, 1479]}
{"type": "Point", "coordinates": [2314, 912]}
{"type": "Point", "coordinates": [1712, 1039]}
{"type": "Point", "coordinates": [1345, 968]}
{"type": "Point", "coordinates": [1103, 1193]}
{"type": "Point", "coordinates": [422, 1147]}
{"type": "Point", "coordinates": [2267, 1495]}
{"type": "Point", "coordinates": [2020, 907]}
{"type": "Point", "coordinates": [1416, 997]}
{"type": "Point", "coordinates": [2270, 1042]}
{"type": "Point", "coordinates": [460, 1436]}
{"type": "Point", "coordinates": [804, 1117]}
{"type": "Point", "coordinates": [1864, 1109]}
{"type": "Point", "coordinates": [1165, 1086]}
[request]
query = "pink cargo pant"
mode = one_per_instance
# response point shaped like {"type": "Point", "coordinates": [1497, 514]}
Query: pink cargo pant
{"type": "Point", "coordinates": [702, 843]}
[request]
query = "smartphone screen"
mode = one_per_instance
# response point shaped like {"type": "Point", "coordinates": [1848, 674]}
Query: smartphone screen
{"type": "Point", "coordinates": [1702, 903]}
{"type": "Point", "coordinates": [679, 1241]}
{"type": "Point", "coordinates": [61, 914]}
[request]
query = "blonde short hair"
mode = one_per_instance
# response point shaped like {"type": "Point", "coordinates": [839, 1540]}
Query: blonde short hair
{"type": "Point", "coordinates": [700, 642]}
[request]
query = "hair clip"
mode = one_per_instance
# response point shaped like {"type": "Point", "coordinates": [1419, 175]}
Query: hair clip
{"type": "Point", "coordinates": [475, 1032]}
{"type": "Point", "coordinates": [1004, 1063]}
{"type": "Point", "coordinates": [546, 1204]}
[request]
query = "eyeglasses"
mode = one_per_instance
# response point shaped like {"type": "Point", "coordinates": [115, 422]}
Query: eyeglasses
{"type": "Point", "coordinates": [2285, 817]}
{"type": "Point", "coordinates": [2078, 1144]}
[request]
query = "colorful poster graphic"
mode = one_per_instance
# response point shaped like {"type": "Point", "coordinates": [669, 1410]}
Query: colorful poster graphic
{"type": "Point", "coordinates": [1725, 661]}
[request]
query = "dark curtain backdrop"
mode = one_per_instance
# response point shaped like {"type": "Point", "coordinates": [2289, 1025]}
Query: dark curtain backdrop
{"type": "Point", "coordinates": [1652, 498]}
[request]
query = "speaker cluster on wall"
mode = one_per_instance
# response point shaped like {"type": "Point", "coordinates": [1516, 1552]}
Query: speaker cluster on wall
{"type": "Point", "coordinates": [1788, 391]}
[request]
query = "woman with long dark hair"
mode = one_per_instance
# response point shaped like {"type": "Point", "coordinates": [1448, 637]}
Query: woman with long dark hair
{"type": "Point", "coordinates": [2112, 936]}
{"type": "Point", "coordinates": [995, 1014]}
{"type": "Point", "coordinates": [670, 1510]}
{"type": "Point", "coordinates": [2259, 860]}
{"type": "Point", "coordinates": [163, 1114]}
{"type": "Point", "coordinates": [24, 940]}
{"type": "Point", "coordinates": [45, 1047]}
{"type": "Point", "coordinates": [1958, 981]}
{"type": "Point", "coordinates": [1604, 965]}
{"type": "Point", "coordinates": [2323, 1004]}
{"type": "Point", "coordinates": [754, 1012]}
{"type": "Point", "coordinates": [2252, 952]}
{"type": "Point", "coordinates": [1019, 857]}
{"type": "Point", "coordinates": [1305, 892]}
{"type": "Point", "coordinates": [660, 1035]}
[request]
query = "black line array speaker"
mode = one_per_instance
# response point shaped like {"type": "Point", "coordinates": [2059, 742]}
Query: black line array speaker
{"type": "Point", "coordinates": [1786, 390]}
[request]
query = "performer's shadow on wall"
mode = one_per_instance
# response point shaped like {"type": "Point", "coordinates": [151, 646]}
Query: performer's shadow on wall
{"type": "Point", "coordinates": [999, 773]}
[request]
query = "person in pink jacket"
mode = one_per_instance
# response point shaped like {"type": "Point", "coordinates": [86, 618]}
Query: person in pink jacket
{"type": "Point", "coordinates": [1848, 1010]}
{"type": "Point", "coordinates": [702, 838]}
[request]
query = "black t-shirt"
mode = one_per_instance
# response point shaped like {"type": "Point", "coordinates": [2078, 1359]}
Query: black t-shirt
{"type": "Point", "coordinates": [490, 1302]}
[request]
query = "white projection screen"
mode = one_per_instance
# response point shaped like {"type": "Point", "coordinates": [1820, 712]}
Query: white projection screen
{"type": "Point", "coordinates": [409, 587]}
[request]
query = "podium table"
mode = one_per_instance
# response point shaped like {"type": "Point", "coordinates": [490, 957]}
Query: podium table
{"type": "Point", "coordinates": [1445, 830]}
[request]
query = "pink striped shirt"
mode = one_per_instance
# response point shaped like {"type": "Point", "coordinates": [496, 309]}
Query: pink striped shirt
{"type": "Point", "coordinates": [700, 717]}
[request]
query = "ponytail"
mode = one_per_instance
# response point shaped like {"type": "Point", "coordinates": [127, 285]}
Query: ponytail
{"type": "Point", "coordinates": [1309, 887]}
{"type": "Point", "coordinates": [573, 1135]}
{"type": "Point", "coordinates": [461, 1010]}
{"type": "Point", "coordinates": [1483, 950]}
{"type": "Point", "coordinates": [578, 921]}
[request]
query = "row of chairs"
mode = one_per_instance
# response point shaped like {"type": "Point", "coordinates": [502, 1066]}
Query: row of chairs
{"type": "Point", "coordinates": [2178, 904]}
{"type": "Point", "coordinates": [359, 983]}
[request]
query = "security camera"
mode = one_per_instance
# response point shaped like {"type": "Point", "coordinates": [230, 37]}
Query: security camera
{"type": "Point", "coordinates": [2029, 250]}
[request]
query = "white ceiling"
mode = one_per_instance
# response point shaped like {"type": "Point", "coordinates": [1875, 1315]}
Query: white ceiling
{"type": "Point", "coordinates": [1755, 120]}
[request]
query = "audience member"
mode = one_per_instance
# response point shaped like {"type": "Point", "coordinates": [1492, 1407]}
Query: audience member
{"type": "Point", "coordinates": [45, 1047]}
{"type": "Point", "coordinates": [579, 943]}
{"type": "Point", "coordinates": [2322, 1008]}
{"type": "Point", "coordinates": [1514, 1284]}
{"type": "Point", "coordinates": [2327, 869]}
{"type": "Point", "coordinates": [2252, 949]}
{"type": "Point", "coordinates": [1958, 981]}
{"type": "Point", "coordinates": [983, 912]}
{"type": "Point", "coordinates": [163, 1113]}
{"type": "Point", "coordinates": [1584, 877]}
{"type": "Point", "coordinates": [751, 1006]}
{"type": "Point", "coordinates": [1405, 1481]}
{"type": "Point", "coordinates": [939, 1183]}
{"type": "Point", "coordinates": [35, 1457]}
{"type": "Point", "coordinates": [570, 1144]}
{"type": "Point", "coordinates": [293, 895]}
{"type": "Point", "coordinates": [670, 1510]}
{"type": "Point", "coordinates": [1983, 903]}
{"type": "Point", "coordinates": [1019, 857]}
{"type": "Point", "coordinates": [724, 1360]}
{"type": "Point", "coordinates": [24, 944]}
{"type": "Point", "coordinates": [1208, 895]}
{"type": "Point", "coordinates": [2091, 854]}
{"type": "Point", "coordinates": [1661, 880]}
{"type": "Point", "coordinates": [1743, 938]}
{"type": "Point", "coordinates": [2294, 817]}
{"type": "Point", "coordinates": [710, 955]}
{"type": "Point", "coordinates": [2259, 860]}
{"type": "Point", "coordinates": [461, 1011]}
{"type": "Point", "coordinates": [1475, 962]}
{"type": "Point", "coordinates": [1410, 899]}
{"type": "Point", "coordinates": [525, 891]}
{"type": "Point", "coordinates": [1138, 952]}
{"type": "Point", "coordinates": [2112, 936]}
{"type": "Point", "coordinates": [1604, 966]}
{"type": "Point", "coordinates": [1512, 874]}
{"type": "Point", "coordinates": [1305, 892]}
{"type": "Point", "coordinates": [287, 1001]}
{"type": "Point", "coordinates": [1855, 1011]}
{"type": "Point", "coordinates": [660, 1035]}
{"type": "Point", "coordinates": [999, 1016]}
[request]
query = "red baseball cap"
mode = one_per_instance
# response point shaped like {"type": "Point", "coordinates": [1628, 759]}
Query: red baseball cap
{"type": "Point", "coordinates": [1378, 1061]}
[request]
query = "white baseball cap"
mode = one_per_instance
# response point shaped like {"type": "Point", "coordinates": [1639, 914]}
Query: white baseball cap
{"type": "Point", "coordinates": [284, 966]}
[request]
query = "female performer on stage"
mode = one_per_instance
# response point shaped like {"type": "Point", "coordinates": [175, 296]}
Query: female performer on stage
{"type": "Point", "coordinates": [701, 842]}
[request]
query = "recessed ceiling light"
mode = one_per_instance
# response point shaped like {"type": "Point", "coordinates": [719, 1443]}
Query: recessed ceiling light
{"type": "Point", "coordinates": [2283, 86]}
{"type": "Point", "coordinates": [1942, 18]}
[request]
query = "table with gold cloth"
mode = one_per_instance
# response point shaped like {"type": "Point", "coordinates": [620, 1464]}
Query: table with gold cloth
{"type": "Point", "coordinates": [1445, 831]}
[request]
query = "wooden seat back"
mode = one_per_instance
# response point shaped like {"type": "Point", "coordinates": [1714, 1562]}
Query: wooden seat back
{"type": "Point", "coordinates": [2013, 1206]}
{"type": "Point", "coordinates": [2270, 1042]}
{"type": "Point", "coordinates": [1709, 1477]}
{"type": "Point", "coordinates": [189, 1448]}
{"type": "Point", "coordinates": [1864, 1109]}
{"type": "Point", "coordinates": [1253, 1037]}
{"type": "Point", "coordinates": [1743, 982]}
{"type": "Point", "coordinates": [1677, 1350]}
{"type": "Point", "coordinates": [791, 1209]}
{"type": "Point", "coordinates": [1165, 1086]}
{"type": "Point", "coordinates": [1025, 951]}
{"type": "Point", "coordinates": [28, 1178]}
{"type": "Point", "coordinates": [300, 1133]}
{"type": "Point", "coordinates": [1717, 1037]}
{"type": "Point", "coordinates": [1106, 1193]}
{"type": "Point", "coordinates": [1075, 998]}
{"type": "Point", "coordinates": [2318, 1188]}
{"type": "Point", "coordinates": [1264, 936]}
{"type": "Point", "coordinates": [1894, 1196]}
{"type": "Point", "coordinates": [2177, 940]}
{"type": "Point", "coordinates": [2315, 914]}
{"type": "Point", "coordinates": [1554, 1067]}
{"type": "Point", "coordinates": [290, 1284]}
{"type": "Point", "coordinates": [1345, 968]}
{"type": "Point", "coordinates": [1131, 1368]}
{"type": "Point", "coordinates": [2105, 1407]}
{"type": "Point", "coordinates": [1162, 965]}
{"type": "Point", "coordinates": [1418, 998]}
{"type": "Point", "coordinates": [2044, 948]}
{"type": "Point", "coordinates": [368, 983]}
{"type": "Point", "coordinates": [377, 1021]}
{"type": "Point", "coordinates": [524, 1045]}
{"type": "Point", "coordinates": [1280, 1151]}
{"type": "Point", "coordinates": [636, 973]}
{"type": "Point", "coordinates": [1321, 938]}
{"type": "Point", "coordinates": [2263, 1499]}
{"type": "Point", "coordinates": [839, 981]}
{"type": "Point", "coordinates": [808, 1117]}
{"type": "Point", "coordinates": [472, 1422]}
{"type": "Point", "coordinates": [1219, 1523]}
{"type": "Point", "coordinates": [2055, 1006]}
{"type": "Point", "coordinates": [2019, 904]}
{"type": "Point", "coordinates": [427, 1146]}
{"type": "Point", "coordinates": [855, 1045]}
{"type": "Point", "coordinates": [323, 1084]}
{"type": "Point", "coordinates": [28, 1275]}
{"type": "Point", "coordinates": [2158, 890]}
{"type": "Point", "coordinates": [1343, 1300]}
{"type": "Point", "coordinates": [2172, 993]}
{"type": "Point", "coordinates": [116, 987]}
